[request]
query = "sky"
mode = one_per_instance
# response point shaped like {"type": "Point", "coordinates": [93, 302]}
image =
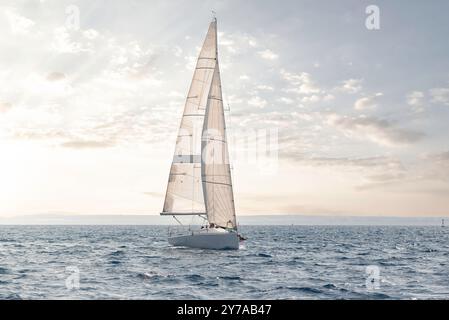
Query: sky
{"type": "Point", "coordinates": [355, 120]}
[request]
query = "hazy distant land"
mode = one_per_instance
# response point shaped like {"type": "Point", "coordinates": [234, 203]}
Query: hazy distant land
{"type": "Point", "coordinates": [67, 219]}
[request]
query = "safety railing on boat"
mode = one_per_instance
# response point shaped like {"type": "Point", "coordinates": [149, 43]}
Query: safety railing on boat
{"type": "Point", "coordinates": [185, 230]}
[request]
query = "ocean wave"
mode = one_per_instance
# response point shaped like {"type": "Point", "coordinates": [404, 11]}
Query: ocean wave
{"type": "Point", "coordinates": [194, 277]}
{"type": "Point", "coordinates": [10, 296]}
{"type": "Point", "coordinates": [4, 270]}
{"type": "Point", "coordinates": [301, 289]}
{"type": "Point", "coordinates": [231, 278]}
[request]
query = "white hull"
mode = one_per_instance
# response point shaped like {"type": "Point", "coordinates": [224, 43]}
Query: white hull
{"type": "Point", "coordinates": [217, 239]}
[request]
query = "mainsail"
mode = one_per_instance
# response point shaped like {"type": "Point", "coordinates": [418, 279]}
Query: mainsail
{"type": "Point", "coordinates": [200, 177]}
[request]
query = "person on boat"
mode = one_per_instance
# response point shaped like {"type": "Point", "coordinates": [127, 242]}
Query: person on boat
{"type": "Point", "coordinates": [241, 238]}
{"type": "Point", "coordinates": [212, 225]}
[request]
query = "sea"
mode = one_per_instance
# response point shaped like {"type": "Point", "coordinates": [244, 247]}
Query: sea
{"type": "Point", "coordinates": [275, 262]}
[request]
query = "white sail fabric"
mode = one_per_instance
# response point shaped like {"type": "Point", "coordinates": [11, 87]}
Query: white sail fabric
{"type": "Point", "coordinates": [184, 191]}
{"type": "Point", "coordinates": [215, 168]}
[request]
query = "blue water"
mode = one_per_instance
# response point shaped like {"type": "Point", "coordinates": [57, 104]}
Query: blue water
{"type": "Point", "coordinates": [277, 262]}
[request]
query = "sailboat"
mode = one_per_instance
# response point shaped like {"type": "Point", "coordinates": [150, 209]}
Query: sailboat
{"type": "Point", "coordinates": [442, 223]}
{"type": "Point", "coordinates": [200, 181]}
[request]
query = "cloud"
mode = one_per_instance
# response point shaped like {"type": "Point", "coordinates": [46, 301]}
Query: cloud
{"type": "Point", "coordinates": [426, 174]}
{"type": "Point", "coordinates": [415, 99]}
{"type": "Point", "coordinates": [228, 43]}
{"type": "Point", "coordinates": [288, 122]}
{"type": "Point", "coordinates": [440, 95]}
{"type": "Point", "coordinates": [355, 162]}
{"type": "Point", "coordinates": [154, 194]}
{"type": "Point", "coordinates": [300, 83]}
{"type": "Point", "coordinates": [114, 80]}
{"type": "Point", "coordinates": [91, 34]}
{"type": "Point", "coordinates": [301, 116]}
{"type": "Point", "coordinates": [19, 25]}
{"type": "Point", "coordinates": [87, 144]}
{"type": "Point", "coordinates": [286, 100]}
{"type": "Point", "coordinates": [367, 103]}
{"type": "Point", "coordinates": [257, 102]}
{"type": "Point", "coordinates": [268, 54]}
{"type": "Point", "coordinates": [43, 134]}
{"type": "Point", "coordinates": [5, 106]}
{"type": "Point", "coordinates": [265, 87]}
{"type": "Point", "coordinates": [252, 42]}
{"type": "Point", "coordinates": [233, 99]}
{"type": "Point", "coordinates": [383, 178]}
{"type": "Point", "coordinates": [236, 43]}
{"type": "Point", "coordinates": [351, 86]}
{"type": "Point", "coordinates": [376, 130]}
{"type": "Point", "coordinates": [441, 157]}
{"type": "Point", "coordinates": [374, 170]}
{"type": "Point", "coordinates": [444, 156]}
{"type": "Point", "coordinates": [55, 76]}
{"type": "Point", "coordinates": [63, 43]}
{"type": "Point", "coordinates": [312, 98]}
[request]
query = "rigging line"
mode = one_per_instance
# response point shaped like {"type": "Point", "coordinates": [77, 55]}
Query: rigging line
{"type": "Point", "coordinates": [228, 128]}
{"type": "Point", "coordinates": [230, 173]}
{"type": "Point", "coordinates": [177, 220]}
{"type": "Point", "coordinates": [193, 175]}
{"type": "Point", "coordinates": [213, 186]}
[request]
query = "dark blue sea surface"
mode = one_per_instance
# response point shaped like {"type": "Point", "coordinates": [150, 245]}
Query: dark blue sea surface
{"type": "Point", "coordinates": [276, 262]}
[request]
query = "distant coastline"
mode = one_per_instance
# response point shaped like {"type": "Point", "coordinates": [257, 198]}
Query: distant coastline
{"type": "Point", "coordinates": [70, 219]}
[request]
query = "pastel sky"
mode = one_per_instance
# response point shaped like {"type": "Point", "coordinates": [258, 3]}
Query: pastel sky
{"type": "Point", "coordinates": [88, 115]}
